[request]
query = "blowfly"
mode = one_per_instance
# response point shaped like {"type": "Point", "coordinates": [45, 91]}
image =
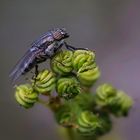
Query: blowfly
{"type": "Point", "coordinates": [41, 49]}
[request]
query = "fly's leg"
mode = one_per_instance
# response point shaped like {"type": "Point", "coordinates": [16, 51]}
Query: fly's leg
{"type": "Point", "coordinates": [36, 70]}
{"type": "Point", "coordinates": [59, 62]}
{"type": "Point", "coordinates": [51, 57]}
{"type": "Point", "coordinates": [35, 74]}
{"type": "Point", "coordinates": [71, 48]}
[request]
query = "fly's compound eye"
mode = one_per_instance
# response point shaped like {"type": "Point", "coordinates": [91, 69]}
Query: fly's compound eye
{"type": "Point", "coordinates": [60, 34]}
{"type": "Point", "coordinates": [57, 35]}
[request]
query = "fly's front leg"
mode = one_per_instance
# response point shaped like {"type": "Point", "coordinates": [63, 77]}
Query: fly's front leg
{"type": "Point", "coordinates": [57, 61]}
{"type": "Point", "coordinates": [71, 48]}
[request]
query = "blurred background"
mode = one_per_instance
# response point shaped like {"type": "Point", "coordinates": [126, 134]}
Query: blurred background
{"type": "Point", "coordinates": [110, 27]}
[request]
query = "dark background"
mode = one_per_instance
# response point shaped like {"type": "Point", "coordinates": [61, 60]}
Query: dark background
{"type": "Point", "coordinates": [110, 27]}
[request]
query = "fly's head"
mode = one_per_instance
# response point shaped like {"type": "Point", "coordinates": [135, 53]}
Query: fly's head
{"type": "Point", "coordinates": [59, 34]}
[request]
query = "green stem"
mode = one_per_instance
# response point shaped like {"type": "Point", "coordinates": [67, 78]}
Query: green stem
{"type": "Point", "coordinates": [86, 89]}
{"type": "Point", "coordinates": [46, 104]}
{"type": "Point", "coordinates": [70, 134]}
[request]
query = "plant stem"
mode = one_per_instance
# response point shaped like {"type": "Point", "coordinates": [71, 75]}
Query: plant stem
{"type": "Point", "coordinates": [86, 89]}
{"type": "Point", "coordinates": [46, 104]}
{"type": "Point", "coordinates": [70, 134]}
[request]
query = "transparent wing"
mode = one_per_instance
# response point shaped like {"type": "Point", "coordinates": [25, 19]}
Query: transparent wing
{"type": "Point", "coordinates": [39, 41]}
{"type": "Point", "coordinates": [23, 64]}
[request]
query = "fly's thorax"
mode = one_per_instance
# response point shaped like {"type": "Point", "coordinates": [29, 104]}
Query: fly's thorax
{"type": "Point", "coordinates": [53, 48]}
{"type": "Point", "coordinates": [49, 51]}
{"type": "Point", "coordinates": [49, 39]}
{"type": "Point", "coordinates": [46, 42]}
{"type": "Point", "coordinates": [59, 43]}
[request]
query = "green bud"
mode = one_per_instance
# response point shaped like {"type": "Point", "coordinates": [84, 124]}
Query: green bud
{"type": "Point", "coordinates": [44, 82]}
{"type": "Point", "coordinates": [122, 105]}
{"type": "Point", "coordinates": [26, 96]}
{"type": "Point", "coordinates": [83, 58]}
{"type": "Point", "coordinates": [88, 124]}
{"type": "Point", "coordinates": [117, 102]}
{"type": "Point", "coordinates": [85, 101]}
{"type": "Point", "coordinates": [88, 77]}
{"type": "Point", "coordinates": [106, 124]}
{"type": "Point", "coordinates": [68, 87]}
{"type": "Point", "coordinates": [85, 66]}
{"type": "Point", "coordinates": [67, 114]}
{"type": "Point", "coordinates": [64, 116]}
{"type": "Point", "coordinates": [62, 62]}
{"type": "Point", "coordinates": [105, 95]}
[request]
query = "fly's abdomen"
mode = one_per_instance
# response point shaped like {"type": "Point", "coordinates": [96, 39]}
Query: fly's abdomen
{"type": "Point", "coordinates": [27, 62]}
{"type": "Point", "coordinates": [29, 67]}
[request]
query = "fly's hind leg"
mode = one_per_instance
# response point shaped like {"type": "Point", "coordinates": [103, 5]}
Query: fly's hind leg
{"type": "Point", "coordinates": [71, 48]}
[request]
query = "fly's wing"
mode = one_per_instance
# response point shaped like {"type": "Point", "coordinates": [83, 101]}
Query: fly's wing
{"type": "Point", "coordinates": [23, 64]}
{"type": "Point", "coordinates": [43, 38]}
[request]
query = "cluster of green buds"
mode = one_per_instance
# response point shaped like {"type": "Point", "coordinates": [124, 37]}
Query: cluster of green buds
{"type": "Point", "coordinates": [81, 114]}
{"type": "Point", "coordinates": [113, 100]}
{"type": "Point", "coordinates": [70, 72]}
{"type": "Point", "coordinates": [86, 69]}
{"type": "Point", "coordinates": [67, 84]}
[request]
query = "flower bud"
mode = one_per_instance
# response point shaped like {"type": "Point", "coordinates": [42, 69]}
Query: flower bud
{"type": "Point", "coordinates": [106, 124]}
{"type": "Point", "coordinates": [123, 104]}
{"type": "Point", "coordinates": [85, 101]}
{"type": "Point", "coordinates": [85, 66]}
{"type": "Point", "coordinates": [83, 58]}
{"type": "Point", "coordinates": [89, 76]}
{"type": "Point", "coordinates": [64, 116]}
{"type": "Point", "coordinates": [44, 82]}
{"type": "Point", "coordinates": [26, 96]}
{"type": "Point", "coordinates": [88, 124]}
{"type": "Point", "coordinates": [68, 87]}
{"type": "Point", "coordinates": [61, 63]}
{"type": "Point", "coordinates": [105, 95]}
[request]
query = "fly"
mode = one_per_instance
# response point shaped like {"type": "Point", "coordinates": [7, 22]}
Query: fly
{"type": "Point", "coordinates": [41, 49]}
